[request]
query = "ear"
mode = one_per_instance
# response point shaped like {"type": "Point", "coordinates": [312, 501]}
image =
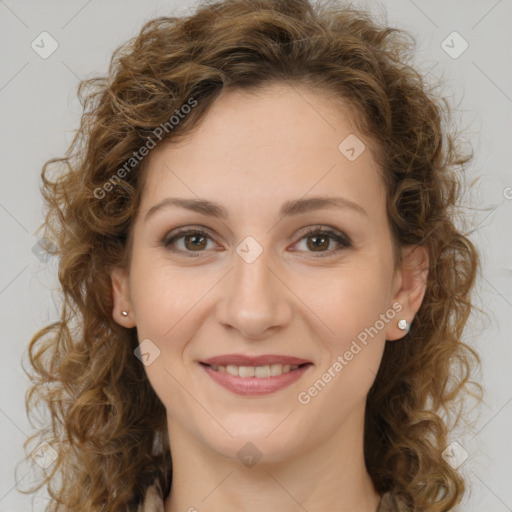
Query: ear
{"type": "Point", "coordinates": [409, 286]}
{"type": "Point", "coordinates": [121, 298]}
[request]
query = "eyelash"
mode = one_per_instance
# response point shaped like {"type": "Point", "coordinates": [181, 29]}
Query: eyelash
{"type": "Point", "coordinates": [341, 239]}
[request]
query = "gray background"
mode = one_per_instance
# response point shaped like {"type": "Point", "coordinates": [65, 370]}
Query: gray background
{"type": "Point", "coordinates": [40, 111]}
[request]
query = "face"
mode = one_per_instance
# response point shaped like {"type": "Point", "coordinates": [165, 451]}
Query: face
{"type": "Point", "coordinates": [263, 313]}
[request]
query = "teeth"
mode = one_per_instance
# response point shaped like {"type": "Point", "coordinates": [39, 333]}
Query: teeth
{"type": "Point", "coordinates": [232, 370]}
{"type": "Point", "coordinates": [261, 372]}
{"type": "Point", "coordinates": [276, 369]}
{"type": "Point", "coordinates": [246, 371]}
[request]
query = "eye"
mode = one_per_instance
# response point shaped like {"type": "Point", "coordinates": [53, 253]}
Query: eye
{"type": "Point", "coordinates": [187, 241]}
{"type": "Point", "coordinates": [193, 240]}
{"type": "Point", "coordinates": [320, 241]}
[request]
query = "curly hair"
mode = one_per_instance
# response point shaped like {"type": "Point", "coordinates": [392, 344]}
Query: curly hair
{"type": "Point", "coordinates": [107, 425]}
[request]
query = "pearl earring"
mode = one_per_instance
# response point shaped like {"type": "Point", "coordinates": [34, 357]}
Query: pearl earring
{"type": "Point", "coordinates": [124, 313]}
{"type": "Point", "coordinates": [403, 325]}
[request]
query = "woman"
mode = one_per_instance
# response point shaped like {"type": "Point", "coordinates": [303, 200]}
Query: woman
{"type": "Point", "coordinates": [264, 287]}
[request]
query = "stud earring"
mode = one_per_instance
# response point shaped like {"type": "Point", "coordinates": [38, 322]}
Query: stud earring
{"type": "Point", "coordinates": [403, 325]}
{"type": "Point", "coordinates": [124, 313]}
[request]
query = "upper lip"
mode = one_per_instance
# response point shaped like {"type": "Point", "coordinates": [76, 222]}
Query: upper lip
{"type": "Point", "coordinates": [263, 360]}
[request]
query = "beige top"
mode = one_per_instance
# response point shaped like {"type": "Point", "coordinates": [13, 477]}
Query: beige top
{"type": "Point", "coordinates": [153, 502]}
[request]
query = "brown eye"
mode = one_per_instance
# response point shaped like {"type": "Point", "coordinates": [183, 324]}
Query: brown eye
{"type": "Point", "coordinates": [187, 241]}
{"type": "Point", "coordinates": [319, 241]}
{"type": "Point", "coordinates": [195, 242]}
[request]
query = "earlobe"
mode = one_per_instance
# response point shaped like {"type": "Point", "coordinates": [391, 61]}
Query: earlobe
{"type": "Point", "coordinates": [122, 311]}
{"type": "Point", "coordinates": [412, 280]}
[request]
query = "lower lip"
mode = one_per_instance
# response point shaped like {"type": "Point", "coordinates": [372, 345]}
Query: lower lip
{"type": "Point", "coordinates": [255, 386]}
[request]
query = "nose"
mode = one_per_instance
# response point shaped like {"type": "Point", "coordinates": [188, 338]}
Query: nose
{"type": "Point", "coordinates": [254, 299]}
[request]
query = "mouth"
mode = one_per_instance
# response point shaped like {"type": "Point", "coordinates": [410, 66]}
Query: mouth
{"type": "Point", "coordinates": [259, 372]}
{"type": "Point", "coordinates": [260, 375]}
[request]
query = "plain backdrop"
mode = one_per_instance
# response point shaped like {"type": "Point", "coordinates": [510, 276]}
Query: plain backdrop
{"type": "Point", "coordinates": [466, 43]}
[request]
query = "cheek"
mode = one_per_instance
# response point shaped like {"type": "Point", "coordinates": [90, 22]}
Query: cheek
{"type": "Point", "coordinates": [354, 311]}
{"type": "Point", "coordinates": [168, 310]}
{"type": "Point", "coordinates": [165, 299]}
{"type": "Point", "coordinates": [347, 300]}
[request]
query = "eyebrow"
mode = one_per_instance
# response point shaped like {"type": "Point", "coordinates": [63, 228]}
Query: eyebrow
{"type": "Point", "coordinates": [293, 207]}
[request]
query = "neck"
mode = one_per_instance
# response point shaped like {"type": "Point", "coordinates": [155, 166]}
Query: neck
{"type": "Point", "coordinates": [331, 477]}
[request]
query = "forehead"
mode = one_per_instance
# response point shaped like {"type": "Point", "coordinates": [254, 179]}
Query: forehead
{"type": "Point", "coordinates": [277, 142]}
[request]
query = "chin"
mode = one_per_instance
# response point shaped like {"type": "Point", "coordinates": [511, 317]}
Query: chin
{"type": "Point", "coordinates": [257, 441]}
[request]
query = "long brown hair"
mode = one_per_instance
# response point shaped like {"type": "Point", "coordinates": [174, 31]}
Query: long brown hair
{"type": "Point", "coordinates": [106, 423]}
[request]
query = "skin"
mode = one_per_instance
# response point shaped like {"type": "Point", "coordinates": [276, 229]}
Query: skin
{"type": "Point", "coordinates": [252, 152]}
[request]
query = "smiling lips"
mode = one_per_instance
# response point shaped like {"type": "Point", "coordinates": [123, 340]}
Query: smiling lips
{"type": "Point", "coordinates": [258, 375]}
